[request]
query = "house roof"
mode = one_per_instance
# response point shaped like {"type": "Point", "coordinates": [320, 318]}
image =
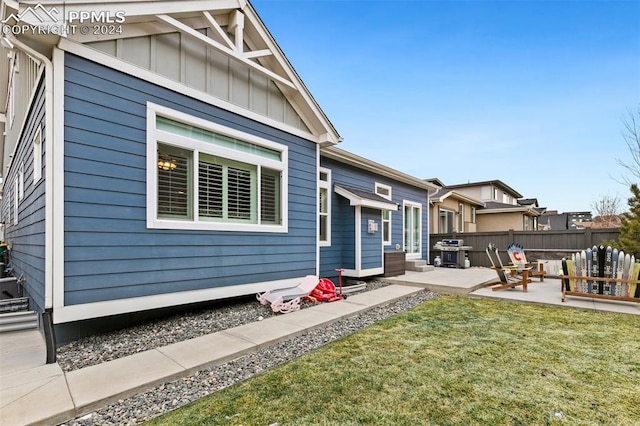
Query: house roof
{"type": "Point", "coordinates": [435, 181]}
{"type": "Point", "coordinates": [359, 197]}
{"type": "Point", "coordinates": [495, 182]}
{"type": "Point", "coordinates": [251, 44]}
{"type": "Point", "coordinates": [528, 202]}
{"type": "Point", "coordinates": [444, 193]}
{"type": "Point", "coordinates": [495, 207]}
{"type": "Point", "coordinates": [354, 160]}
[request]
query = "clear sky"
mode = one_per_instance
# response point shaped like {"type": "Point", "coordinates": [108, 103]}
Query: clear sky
{"type": "Point", "coordinates": [532, 93]}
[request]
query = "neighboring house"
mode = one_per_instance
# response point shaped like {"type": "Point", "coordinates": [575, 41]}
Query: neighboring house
{"type": "Point", "coordinates": [173, 162]}
{"type": "Point", "coordinates": [501, 211]}
{"type": "Point", "coordinates": [452, 211]}
{"type": "Point", "coordinates": [551, 220]}
{"type": "Point", "coordinates": [367, 209]}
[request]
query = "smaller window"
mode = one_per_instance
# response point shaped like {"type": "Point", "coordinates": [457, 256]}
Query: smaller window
{"type": "Point", "coordinates": [324, 207]}
{"type": "Point", "coordinates": [21, 182]}
{"type": "Point", "coordinates": [15, 201]}
{"type": "Point", "coordinates": [37, 156]}
{"type": "Point", "coordinates": [386, 227]}
{"type": "Point", "coordinates": [383, 190]}
{"type": "Point", "coordinates": [473, 215]}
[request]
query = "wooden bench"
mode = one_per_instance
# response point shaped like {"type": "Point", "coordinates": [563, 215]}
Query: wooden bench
{"type": "Point", "coordinates": [631, 285]}
{"type": "Point", "coordinates": [618, 284]}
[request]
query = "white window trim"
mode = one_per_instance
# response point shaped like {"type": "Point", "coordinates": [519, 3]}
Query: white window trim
{"type": "Point", "coordinates": [327, 186]}
{"type": "Point", "coordinates": [21, 182]}
{"type": "Point", "coordinates": [379, 185]}
{"type": "Point", "coordinates": [15, 200]}
{"type": "Point", "coordinates": [412, 204]}
{"type": "Point", "coordinates": [37, 155]}
{"type": "Point", "coordinates": [388, 196]}
{"type": "Point", "coordinates": [453, 219]}
{"type": "Point", "coordinates": [197, 146]}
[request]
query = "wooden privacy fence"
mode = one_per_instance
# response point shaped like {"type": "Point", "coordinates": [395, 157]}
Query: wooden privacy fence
{"type": "Point", "coordinates": [538, 245]}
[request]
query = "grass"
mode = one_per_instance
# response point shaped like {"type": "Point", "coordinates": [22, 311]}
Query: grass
{"type": "Point", "coordinates": [449, 361]}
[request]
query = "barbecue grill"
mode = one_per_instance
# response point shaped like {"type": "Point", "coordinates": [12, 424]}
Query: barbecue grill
{"type": "Point", "coordinates": [453, 252]}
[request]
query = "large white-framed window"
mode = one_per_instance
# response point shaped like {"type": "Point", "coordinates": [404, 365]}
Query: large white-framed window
{"type": "Point", "coordinates": [385, 192]}
{"type": "Point", "coordinates": [324, 207]}
{"type": "Point", "coordinates": [412, 224]}
{"type": "Point", "coordinates": [37, 155]}
{"type": "Point", "coordinates": [202, 175]}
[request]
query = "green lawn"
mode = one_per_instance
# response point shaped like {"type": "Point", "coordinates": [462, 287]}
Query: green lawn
{"type": "Point", "coordinates": [450, 361]}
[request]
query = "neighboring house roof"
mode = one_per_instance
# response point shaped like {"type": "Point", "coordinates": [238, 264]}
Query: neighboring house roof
{"type": "Point", "coordinates": [354, 160]}
{"type": "Point", "coordinates": [444, 193]}
{"type": "Point", "coordinates": [495, 207]}
{"type": "Point", "coordinates": [497, 183]}
{"type": "Point", "coordinates": [436, 181]}
{"type": "Point", "coordinates": [359, 197]}
{"type": "Point", "coordinates": [528, 202]}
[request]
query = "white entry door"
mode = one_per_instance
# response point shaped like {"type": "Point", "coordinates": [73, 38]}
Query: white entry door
{"type": "Point", "coordinates": [412, 229]}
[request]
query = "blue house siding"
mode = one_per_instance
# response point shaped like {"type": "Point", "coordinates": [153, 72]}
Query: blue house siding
{"type": "Point", "coordinates": [109, 252]}
{"type": "Point", "coordinates": [27, 238]}
{"type": "Point", "coordinates": [371, 243]}
{"type": "Point", "coordinates": [343, 217]}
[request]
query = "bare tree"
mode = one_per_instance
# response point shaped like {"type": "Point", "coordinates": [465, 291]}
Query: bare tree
{"type": "Point", "coordinates": [606, 212]}
{"type": "Point", "coordinates": [631, 135]}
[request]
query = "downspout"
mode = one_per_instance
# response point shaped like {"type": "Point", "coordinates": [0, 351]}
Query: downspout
{"type": "Point", "coordinates": [47, 315]}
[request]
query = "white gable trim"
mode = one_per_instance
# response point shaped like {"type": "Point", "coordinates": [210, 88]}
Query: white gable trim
{"type": "Point", "coordinates": [183, 29]}
{"type": "Point", "coordinates": [143, 74]}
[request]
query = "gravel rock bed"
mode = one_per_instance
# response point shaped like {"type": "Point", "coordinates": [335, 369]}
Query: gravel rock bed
{"type": "Point", "coordinates": [100, 348]}
{"type": "Point", "coordinates": [172, 395]}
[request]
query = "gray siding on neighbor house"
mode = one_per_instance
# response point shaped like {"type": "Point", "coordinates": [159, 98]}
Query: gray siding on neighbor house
{"type": "Point", "coordinates": [27, 238]}
{"type": "Point", "coordinates": [109, 252]}
{"type": "Point", "coordinates": [343, 215]}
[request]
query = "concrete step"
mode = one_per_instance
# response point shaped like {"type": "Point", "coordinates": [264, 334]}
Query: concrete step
{"type": "Point", "coordinates": [418, 265]}
{"type": "Point", "coordinates": [423, 268]}
{"type": "Point", "coordinates": [14, 304]}
{"type": "Point", "coordinates": [15, 321]}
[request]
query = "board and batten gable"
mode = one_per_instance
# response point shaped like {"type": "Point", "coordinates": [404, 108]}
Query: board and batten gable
{"type": "Point", "coordinates": [189, 62]}
{"type": "Point", "coordinates": [23, 204]}
{"type": "Point", "coordinates": [341, 252]}
{"type": "Point", "coordinates": [110, 252]}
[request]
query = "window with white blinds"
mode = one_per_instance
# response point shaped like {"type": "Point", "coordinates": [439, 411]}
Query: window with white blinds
{"type": "Point", "coordinates": [206, 176]}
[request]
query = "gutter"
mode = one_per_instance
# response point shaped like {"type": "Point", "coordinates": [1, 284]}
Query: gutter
{"type": "Point", "coordinates": [47, 315]}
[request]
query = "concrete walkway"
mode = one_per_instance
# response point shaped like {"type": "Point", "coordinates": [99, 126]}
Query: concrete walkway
{"type": "Point", "coordinates": [32, 392]}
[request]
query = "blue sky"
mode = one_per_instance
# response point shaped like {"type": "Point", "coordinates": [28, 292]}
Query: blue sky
{"type": "Point", "coordinates": [529, 92]}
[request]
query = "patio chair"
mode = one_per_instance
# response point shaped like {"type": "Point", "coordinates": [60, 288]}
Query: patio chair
{"type": "Point", "coordinates": [519, 260]}
{"type": "Point", "coordinates": [507, 275]}
{"type": "Point", "coordinates": [287, 300]}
